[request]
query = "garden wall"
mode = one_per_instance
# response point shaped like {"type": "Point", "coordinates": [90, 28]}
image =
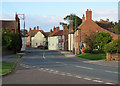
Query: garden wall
{"type": "Point", "coordinates": [111, 57]}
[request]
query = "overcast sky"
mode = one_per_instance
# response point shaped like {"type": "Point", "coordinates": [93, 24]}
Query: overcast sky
{"type": "Point", "coordinates": [46, 15]}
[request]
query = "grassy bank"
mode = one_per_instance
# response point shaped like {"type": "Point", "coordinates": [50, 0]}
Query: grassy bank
{"type": "Point", "coordinates": [92, 56]}
{"type": "Point", "coordinates": [17, 56]}
{"type": "Point", "coordinates": [6, 67]}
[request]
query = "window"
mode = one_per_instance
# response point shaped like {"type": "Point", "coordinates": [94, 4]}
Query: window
{"type": "Point", "coordinates": [59, 37]}
{"type": "Point", "coordinates": [62, 36]}
{"type": "Point", "coordinates": [63, 44]}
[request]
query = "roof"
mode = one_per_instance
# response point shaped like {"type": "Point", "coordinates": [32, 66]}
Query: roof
{"type": "Point", "coordinates": [46, 34]}
{"type": "Point", "coordinates": [105, 25]}
{"type": "Point", "coordinates": [33, 32]}
{"type": "Point", "coordinates": [8, 24]}
{"type": "Point", "coordinates": [58, 33]}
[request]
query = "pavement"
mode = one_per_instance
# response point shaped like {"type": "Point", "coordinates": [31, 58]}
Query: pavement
{"type": "Point", "coordinates": [98, 62]}
{"type": "Point", "coordinates": [53, 67]}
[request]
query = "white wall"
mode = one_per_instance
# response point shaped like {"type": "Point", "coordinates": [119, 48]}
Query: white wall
{"type": "Point", "coordinates": [23, 44]}
{"type": "Point", "coordinates": [38, 39]}
{"type": "Point", "coordinates": [70, 42]}
{"type": "Point", "coordinates": [53, 43]}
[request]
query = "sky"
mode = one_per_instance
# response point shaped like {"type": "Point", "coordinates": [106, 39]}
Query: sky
{"type": "Point", "coordinates": [46, 15]}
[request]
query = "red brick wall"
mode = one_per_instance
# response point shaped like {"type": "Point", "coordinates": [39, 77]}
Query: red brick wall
{"type": "Point", "coordinates": [65, 32]}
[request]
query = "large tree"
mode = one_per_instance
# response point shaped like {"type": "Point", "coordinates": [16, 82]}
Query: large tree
{"type": "Point", "coordinates": [72, 18]}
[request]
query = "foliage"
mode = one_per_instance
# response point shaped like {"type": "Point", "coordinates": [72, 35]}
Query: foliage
{"type": "Point", "coordinates": [11, 40]}
{"type": "Point", "coordinates": [89, 40]}
{"type": "Point", "coordinates": [87, 50]}
{"type": "Point", "coordinates": [101, 39]}
{"type": "Point", "coordinates": [72, 18]}
{"type": "Point", "coordinates": [116, 27]}
{"type": "Point", "coordinates": [96, 51]}
{"type": "Point", "coordinates": [113, 47]}
{"type": "Point", "coordinates": [23, 32]}
{"type": "Point", "coordinates": [92, 56]}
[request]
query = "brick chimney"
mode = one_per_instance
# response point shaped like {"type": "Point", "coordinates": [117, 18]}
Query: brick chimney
{"type": "Point", "coordinates": [30, 29]}
{"type": "Point", "coordinates": [54, 29]}
{"type": "Point", "coordinates": [57, 29]}
{"type": "Point", "coordinates": [51, 31]}
{"type": "Point", "coordinates": [88, 15]}
{"type": "Point", "coordinates": [37, 28]}
{"type": "Point", "coordinates": [34, 28]}
{"type": "Point", "coordinates": [83, 18]}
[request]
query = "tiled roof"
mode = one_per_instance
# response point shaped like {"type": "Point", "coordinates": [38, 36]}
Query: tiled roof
{"type": "Point", "coordinates": [33, 32]}
{"type": "Point", "coordinates": [8, 24]}
{"type": "Point", "coordinates": [58, 33]}
{"type": "Point", "coordinates": [105, 25]}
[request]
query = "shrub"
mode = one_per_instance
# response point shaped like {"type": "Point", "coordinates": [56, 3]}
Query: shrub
{"type": "Point", "coordinates": [113, 47]}
{"type": "Point", "coordinates": [98, 52]}
{"type": "Point", "coordinates": [87, 50]}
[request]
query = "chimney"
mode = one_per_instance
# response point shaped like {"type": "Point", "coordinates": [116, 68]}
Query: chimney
{"type": "Point", "coordinates": [29, 29]}
{"type": "Point", "coordinates": [88, 15]}
{"type": "Point", "coordinates": [37, 28]}
{"type": "Point", "coordinates": [34, 28]}
{"type": "Point", "coordinates": [54, 29]}
{"type": "Point", "coordinates": [51, 31]}
{"type": "Point", "coordinates": [57, 28]}
{"type": "Point", "coordinates": [83, 18]}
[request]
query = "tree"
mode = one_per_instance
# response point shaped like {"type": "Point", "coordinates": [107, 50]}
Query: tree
{"type": "Point", "coordinates": [72, 18]}
{"type": "Point", "coordinates": [113, 47]}
{"type": "Point", "coordinates": [101, 39]}
{"type": "Point", "coordinates": [23, 31]}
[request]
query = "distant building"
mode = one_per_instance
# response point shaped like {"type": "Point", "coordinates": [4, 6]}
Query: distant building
{"type": "Point", "coordinates": [88, 27]}
{"type": "Point", "coordinates": [55, 39]}
{"type": "Point", "coordinates": [36, 38]}
{"type": "Point", "coordinates": [14, 25]}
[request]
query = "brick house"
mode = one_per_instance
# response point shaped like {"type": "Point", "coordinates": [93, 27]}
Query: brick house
{"type": "Point", "coordinates": [87, 28]}
{"type": "Point", "coordinates": [11, 24]}
{"type": "Point", "coordinates": [36, 37]}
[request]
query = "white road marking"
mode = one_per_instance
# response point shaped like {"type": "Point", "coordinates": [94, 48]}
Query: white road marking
{"type": "Point", "coordinates": [108, 83]}
{"type": "Point", "coordinates": [47, 69]}
{"type": "Point", "coordinates": [44, 55]}
{"type": "Point", "coordinates": [51, 70]}
{"type": "Point", "coordinates": [62, 74]}
{"type": "Point", "coordinates": [78, 77]}
{"type": "Point", "coordinates": [87, 78]}
{"type": "Point", "coordinates": [111, 72]}
{"type": "Point", "coordinates": [97, 81]}
{"type": "Point", "coordinates": [41, 68]}
{"type": "Point", "coordinates": [33, 66]}
{"type": "Point", "coordinates": [85, 67]}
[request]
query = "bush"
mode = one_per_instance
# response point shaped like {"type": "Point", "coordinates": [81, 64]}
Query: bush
{"type": "Point", "coordinates": [98, 52]}
{"type": "Point", "coordinates": [87, 50]}
{"type": "Point", "coordinates": [113, 47]}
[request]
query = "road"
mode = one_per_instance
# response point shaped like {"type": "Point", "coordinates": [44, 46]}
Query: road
{"type": "Point", "coordinates": [52, 67]}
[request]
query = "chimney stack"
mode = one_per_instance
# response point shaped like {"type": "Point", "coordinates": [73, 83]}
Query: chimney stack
{"type": "Point", "coordinates": [54, 29]}
{"type": "Point", "coordinates": [57, 28]}
{"type": "Point", "coordinates": [29, 28]}
{"type": "Point", "coordinates": [51, 31]}
{"type": "Point", "coordinates": [88, 15]}
{"type": "Point", "coordinates": [34, 28]}
{"type": "Point", "coordinates": [83, 18]}
{"type": "Point", "coordinates": [37, 28]}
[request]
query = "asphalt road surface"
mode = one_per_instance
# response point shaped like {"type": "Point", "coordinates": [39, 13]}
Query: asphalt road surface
{"type": "Point", "coordinates": [52, 67]}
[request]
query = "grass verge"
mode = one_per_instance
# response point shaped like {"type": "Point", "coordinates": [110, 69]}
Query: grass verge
{"type": "Point", "coordinates": [17, 56]}
{"type": "Point", "coordinates": [92, 56]}
{"type": "Point", "coordinates": [6, 67]}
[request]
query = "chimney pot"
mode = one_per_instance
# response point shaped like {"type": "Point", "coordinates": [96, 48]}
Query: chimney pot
{"type": "Point", "coordinates": [34, 28]}
{"type": "Point", "coordinates": [37, 28]}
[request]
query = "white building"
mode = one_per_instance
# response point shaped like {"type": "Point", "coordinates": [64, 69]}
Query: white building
{"type": "Point", "coordinates": [56, 40]}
